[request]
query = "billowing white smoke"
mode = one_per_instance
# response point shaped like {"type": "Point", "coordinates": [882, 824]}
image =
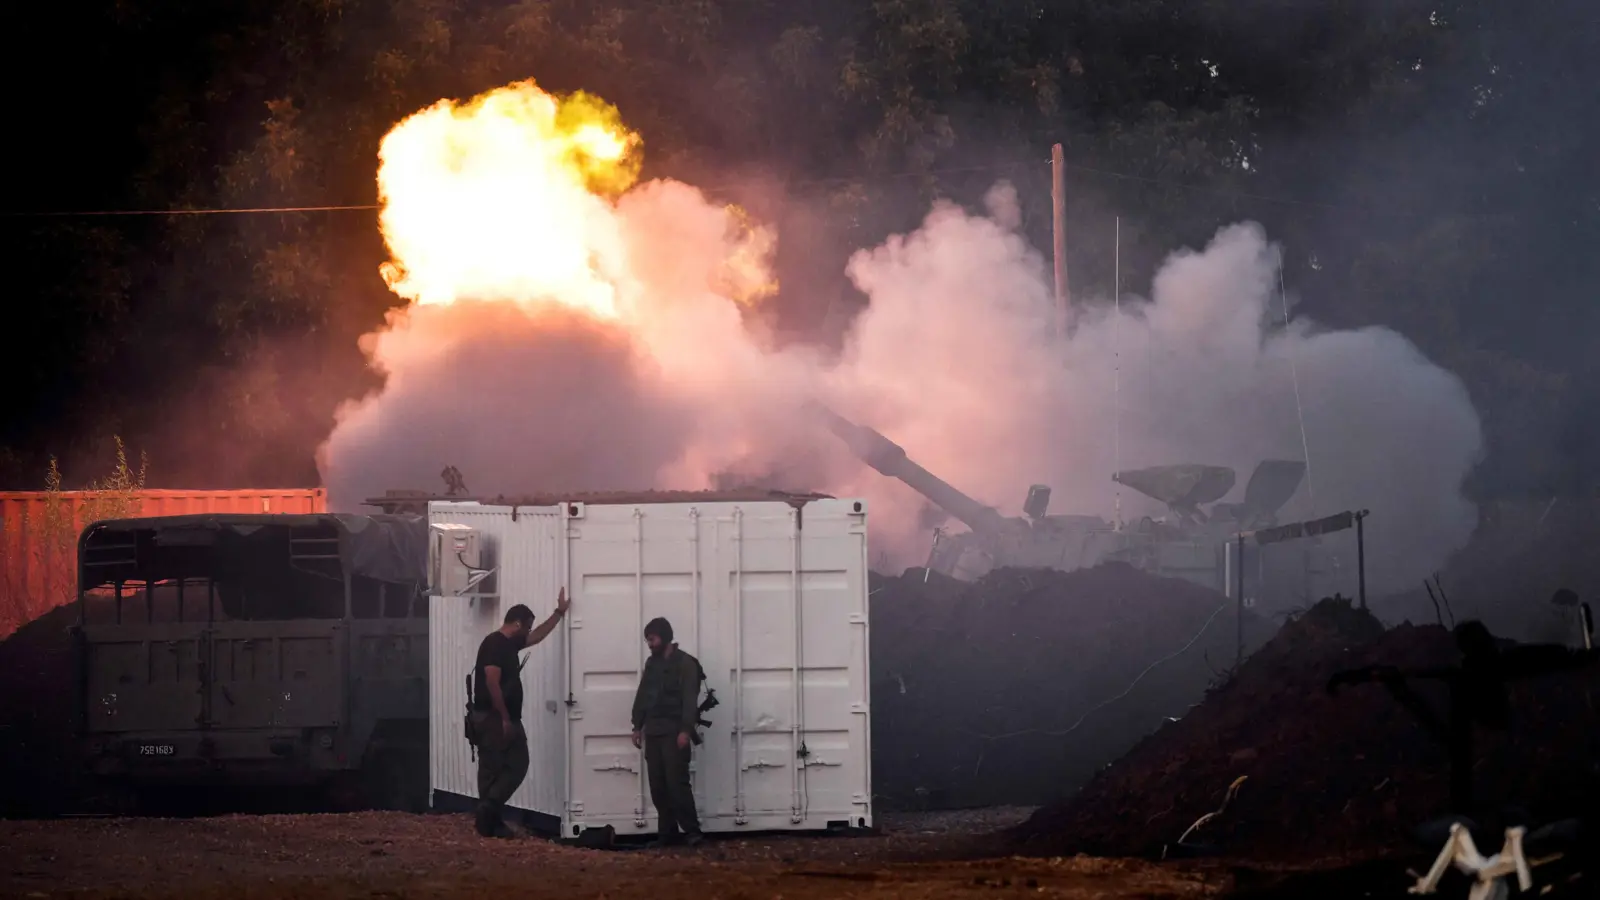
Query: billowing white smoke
{"type": "Point", "coordinates": [952, 359]}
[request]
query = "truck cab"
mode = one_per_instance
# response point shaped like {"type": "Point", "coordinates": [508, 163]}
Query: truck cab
{"type": "Point", "coordinates": [267, 650]}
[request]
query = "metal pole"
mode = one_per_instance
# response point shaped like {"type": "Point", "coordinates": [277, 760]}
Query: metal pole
{"type": "Point", "coordinates": [1238, 589]}
{"type": "Point", "coordinates": [1116, 368]}
{"type": "Point", "coordinates": [1058, 202]}
{"type": "Point", "coordinates": [1361, 558]}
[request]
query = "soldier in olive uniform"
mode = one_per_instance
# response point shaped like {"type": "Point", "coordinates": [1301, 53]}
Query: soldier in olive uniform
{"type": "Point", "coordinates": [665, 715]}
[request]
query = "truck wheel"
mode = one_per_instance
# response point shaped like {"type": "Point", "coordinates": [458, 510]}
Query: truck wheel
{"type": "Point", "coordinates": [124, 801]}
{"type": "Point", "coordinates": [346, 793]}
{"type": "Point", "coordinates": [395, 781]}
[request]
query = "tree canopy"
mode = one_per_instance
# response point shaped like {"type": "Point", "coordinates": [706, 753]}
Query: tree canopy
{"type": "Point", "coordinates": [1428, 166]}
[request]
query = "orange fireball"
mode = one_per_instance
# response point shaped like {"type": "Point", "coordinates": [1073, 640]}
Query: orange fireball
{"type": "Point", "coordinates": [506, 197]}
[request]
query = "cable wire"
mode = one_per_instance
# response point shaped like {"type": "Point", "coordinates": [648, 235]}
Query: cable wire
{"type": "Point", "coordinates": [216, 211]}
{"type": "Point", "coordinates": [1125, 692]}
{"type": "Point", "coordinates": [988, 738]}
{"type": "Point", "coordinates": [814, 182]}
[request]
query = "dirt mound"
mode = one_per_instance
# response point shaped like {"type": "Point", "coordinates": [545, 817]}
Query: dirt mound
{"type": "Point", "coordinates": [1015, 689]}
{"type": "Point", "coordinates": [36, 710]}
{"type": "Point", "coordinates": [1326, 775]}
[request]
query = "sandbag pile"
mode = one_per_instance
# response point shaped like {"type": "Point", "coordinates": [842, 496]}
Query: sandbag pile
{"type": "Point", "coordinates": [1017, 688]}
{"type": "Point", "coordinates": [1326, 776]}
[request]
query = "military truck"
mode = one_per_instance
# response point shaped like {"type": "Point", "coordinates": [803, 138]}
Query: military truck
{"type": "Point", "coordinates": [264, 650]}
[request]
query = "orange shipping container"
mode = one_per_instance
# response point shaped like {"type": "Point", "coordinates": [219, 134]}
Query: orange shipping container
{"type": "Point", "coordinates": [39, 534]}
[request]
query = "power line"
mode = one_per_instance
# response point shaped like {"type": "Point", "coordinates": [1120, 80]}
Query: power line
{"type": "Point", "coordinates": [812, 182]}
{"type": "Point", "coordinates": [217, 211]}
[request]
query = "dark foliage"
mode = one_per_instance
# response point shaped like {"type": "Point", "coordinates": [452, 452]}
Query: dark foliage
{"type": "Point", "coordinates": [1439, 156]}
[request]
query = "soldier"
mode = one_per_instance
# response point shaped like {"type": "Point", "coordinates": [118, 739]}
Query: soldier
{"type": "Point", "coordinates": [497, 711]}
{"type": "Point", "coordinates": [665, 714]}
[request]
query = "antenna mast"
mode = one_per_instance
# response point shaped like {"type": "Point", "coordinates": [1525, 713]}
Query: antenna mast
{"type": "Point", "coordinates": [1116, 367]}
{"type": "Point", "coordinates": [1294, 378]}
{"type": "Point", "coordinates": [1058, 222]}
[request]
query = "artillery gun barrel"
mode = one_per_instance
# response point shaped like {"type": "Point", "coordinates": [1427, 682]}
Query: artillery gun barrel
{"type": "Point", "coordinates": [890, 459]}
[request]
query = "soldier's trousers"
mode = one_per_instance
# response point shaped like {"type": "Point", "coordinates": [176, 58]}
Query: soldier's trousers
{"type": "Point", "coordinates": [670, 789]}
{"type": "Point", "coordinates": [502, 761]}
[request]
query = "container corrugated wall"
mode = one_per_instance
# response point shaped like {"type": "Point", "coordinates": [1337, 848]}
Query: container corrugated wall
{"type": "Point", "coordinates": [39, 534]}
{"type": "Point", "coordinates": [527, 548]}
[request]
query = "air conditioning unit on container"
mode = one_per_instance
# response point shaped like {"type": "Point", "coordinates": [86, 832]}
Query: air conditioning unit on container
{"type": "Point", "coordinates": [454, 557]}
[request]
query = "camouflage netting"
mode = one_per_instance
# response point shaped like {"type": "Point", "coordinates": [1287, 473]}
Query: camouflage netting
{"type": "Point", "coordinates": [1016, 689]}
{"type": "Point", "coordinates": [1326, 775]}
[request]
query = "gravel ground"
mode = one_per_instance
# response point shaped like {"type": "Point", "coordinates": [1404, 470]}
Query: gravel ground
{"type": "Point", "coordinates": [392, 854]}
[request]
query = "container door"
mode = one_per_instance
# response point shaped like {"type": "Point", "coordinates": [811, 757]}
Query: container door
{"type": "Point", "coordinates": [627, 566]}
{"type": "Point", "coordinates": [797, 663]}
{"type": "Point", "coordinates": [759, 575]}
{"type": "Point", "coordinates": [835, 750]}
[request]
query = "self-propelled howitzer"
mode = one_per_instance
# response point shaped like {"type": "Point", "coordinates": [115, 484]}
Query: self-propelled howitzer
{"type": "Point", "coordinates": [1191, 542]}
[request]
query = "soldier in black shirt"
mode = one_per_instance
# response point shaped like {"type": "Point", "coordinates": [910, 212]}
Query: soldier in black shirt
{"type": "Point", "coordinates": [665, 714]}
{"type": "Point", "coordinates": [497, 711]}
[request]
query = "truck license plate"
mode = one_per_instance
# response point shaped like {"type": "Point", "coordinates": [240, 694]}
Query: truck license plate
{"type": "Point", "coordinates": [156, 750]}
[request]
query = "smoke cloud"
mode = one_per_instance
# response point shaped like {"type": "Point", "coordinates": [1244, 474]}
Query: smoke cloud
{"type": "Point", "coordinates": [953, 358]}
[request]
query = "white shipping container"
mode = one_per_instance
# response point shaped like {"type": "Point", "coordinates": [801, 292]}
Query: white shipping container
{"type": "Point", "coordinates": [770, 595]}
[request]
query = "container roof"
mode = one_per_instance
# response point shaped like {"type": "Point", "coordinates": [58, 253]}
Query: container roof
{"type": "Point", "coordinates": [392, 499]}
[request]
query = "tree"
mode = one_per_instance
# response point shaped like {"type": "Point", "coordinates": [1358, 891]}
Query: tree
{"type": "Point", "coordinates": [1428, 165]}
{"type": "Point", "coordinates": [39, 545]}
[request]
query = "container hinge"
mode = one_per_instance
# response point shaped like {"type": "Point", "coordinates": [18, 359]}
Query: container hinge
{"type": "Point", "coordinates": [858, 708]}
{"type": "Point", "coordinates": [819, 761]}
{"type": "Point", "coordinates": [575, 806]}
{"type": "Point", "coordinates": [573, 712]}
{"type": "Point", "coordinates": [617, 765]}
{"type": "Point", "coordinates": [858, 618]}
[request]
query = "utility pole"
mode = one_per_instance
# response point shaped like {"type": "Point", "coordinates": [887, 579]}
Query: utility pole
{"type": "Point", "coordinates": [1361, 557]}
{"type": "Point", "coordinates": [1058, 202]}
{"type": "Point", "coordinates": [1238, 611]}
